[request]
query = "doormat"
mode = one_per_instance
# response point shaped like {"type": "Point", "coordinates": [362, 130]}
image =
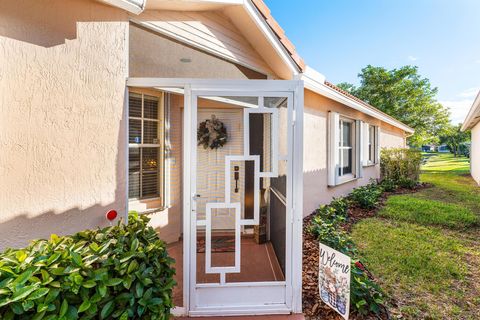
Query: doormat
{"type": "Point", "coordinates": [219, 244]}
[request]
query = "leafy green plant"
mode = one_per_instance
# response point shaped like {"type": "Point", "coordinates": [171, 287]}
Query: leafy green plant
{"type": "Point", "coordinates": [366, 296]}
{"type": "Point", "coordinates": [119, 272]}
{"type": "Point", "coordinates": [389, 185]}
{"type": "Point", "coordinates": [400, 166]}
{"type": "Point", "coordinates": [366, 197]}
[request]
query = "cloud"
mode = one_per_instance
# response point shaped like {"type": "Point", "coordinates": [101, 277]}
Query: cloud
{"type": "Point", "coordinates": [458, 109]}
{"type": "Point", "coordinates": [469, 93]}
{"type": "Point", "coordinates": [412, 58]}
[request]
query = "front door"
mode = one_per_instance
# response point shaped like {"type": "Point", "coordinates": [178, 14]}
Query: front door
{"type": "Point", "coordinates": [242, 199]}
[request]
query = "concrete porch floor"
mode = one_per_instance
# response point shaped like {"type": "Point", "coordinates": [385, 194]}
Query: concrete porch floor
{"type": "Point", "coordinates": [272, 317]}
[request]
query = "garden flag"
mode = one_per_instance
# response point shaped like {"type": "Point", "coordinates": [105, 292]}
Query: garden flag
{"type": "Point", "coordinates": [334, 279]}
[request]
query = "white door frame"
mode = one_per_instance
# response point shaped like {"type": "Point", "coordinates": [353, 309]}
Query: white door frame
{"type": "Point", "coordinates": [295, 210]}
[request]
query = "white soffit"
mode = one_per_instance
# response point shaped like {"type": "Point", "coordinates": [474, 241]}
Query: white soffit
{"type": "Point", "coordinates": [253, 26]}
{"type": "Point", "coordinates": [133, 6]}
{"type": "Point", "coordinates": [473, 116]}
{"type": "Point", "coordinates": [190, 5]}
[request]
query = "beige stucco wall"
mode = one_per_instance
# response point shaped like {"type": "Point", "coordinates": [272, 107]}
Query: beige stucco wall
{"type": "Point", "coordinates": [475, 153]}
{"type": "Point", "coordinates": [63, 65]}
{"type": "Point", "coordinates": [315, 186]}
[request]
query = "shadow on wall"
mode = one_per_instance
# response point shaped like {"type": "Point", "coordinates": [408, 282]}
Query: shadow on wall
{"type": "Point", "coordinates": [317, 192]}
{"type": "Point", "coordinates": [23, 227]}
{"type": "Point", "coordinates": [49, 23]}
{"type": "Point", "coordinates": [62, 129]}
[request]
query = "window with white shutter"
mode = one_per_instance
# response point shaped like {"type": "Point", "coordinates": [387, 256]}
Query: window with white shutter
{"type": "Point", "coordinates": [344, 149]}
{"type": "Point", "coordinates": [146, 147]}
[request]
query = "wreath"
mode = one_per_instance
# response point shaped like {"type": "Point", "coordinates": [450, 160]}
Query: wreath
{"type": "Point", "coordinates": [212, 134]}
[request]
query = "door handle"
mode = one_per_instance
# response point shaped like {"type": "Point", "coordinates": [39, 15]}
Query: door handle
{"type": "Point", "coordinates": [236, 176]}
{"type": "Point", "coordinates": [196, 196]}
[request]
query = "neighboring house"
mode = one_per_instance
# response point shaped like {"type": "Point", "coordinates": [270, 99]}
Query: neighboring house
{"type": "Point", "coordinates": [472, 123]}
{"type": "Point", "coordinates": [443, 148]}
{"type": "Point", "coordinates": [100, 104]}
{"type": "Point", "coordinates": [428, 148]}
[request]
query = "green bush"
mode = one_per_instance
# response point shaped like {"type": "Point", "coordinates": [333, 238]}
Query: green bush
{"type": "Point", "coordinates": [119, 272]}
{"type": "Point", "coordinates": [366, 197]}
{"type": "Point", "coordinates": [388, 185]}
{"type": "Point", "coordinates": [365, 294]}
{"type": "Point", "coordinates": [400, 166]}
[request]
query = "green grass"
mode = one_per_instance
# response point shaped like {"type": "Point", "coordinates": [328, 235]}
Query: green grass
{"type": "Point", "coordinates": [428, 212]}
{"type": "Point", "coordinates": [425, 247]}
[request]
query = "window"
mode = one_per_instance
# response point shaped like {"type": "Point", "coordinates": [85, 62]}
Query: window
{"type": "Point", "coordinates": [145, 138]}
{"type": "Point", "coordinates": [345, 148]}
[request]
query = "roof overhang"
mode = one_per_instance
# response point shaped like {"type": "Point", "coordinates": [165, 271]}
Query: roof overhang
{"type": "Point", "coordinates": [473, 116]}
{"type": "Point", "coordinates": [132, 6]}
{"type": "Point", "coordinates": [315, 82]}
{"type": "Point", "coordinates": [253, 19]}
{"type": "Point", "coordinates": [255, 23]}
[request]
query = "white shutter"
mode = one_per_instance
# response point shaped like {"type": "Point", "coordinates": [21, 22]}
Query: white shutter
{"type": "Point", "coordinates": [366, 139]}
{"type": "Point", "coordinates": [333, 143]}
{"type": "Point", "coordinates": [377, 144]}
{"type": "Point", "coordinates": [359, 148]}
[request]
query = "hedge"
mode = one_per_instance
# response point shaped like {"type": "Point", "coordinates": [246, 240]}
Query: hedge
{"type": "Point", "coordinates": [400, 167]}
{"type": "Point", "coordinates": [119, 272]}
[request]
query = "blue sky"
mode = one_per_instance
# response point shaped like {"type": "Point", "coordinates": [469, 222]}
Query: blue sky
{"type": "Point", "coordinates": [340, 37]}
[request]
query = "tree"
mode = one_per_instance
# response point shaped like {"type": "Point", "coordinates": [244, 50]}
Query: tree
{"type": "Point", "coordinates": [454, 138]}
{"type": "Point", "coordinates": [405, 95]}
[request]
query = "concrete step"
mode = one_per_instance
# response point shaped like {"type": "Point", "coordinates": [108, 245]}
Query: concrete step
{"type": "Point", "coordinates": [272, 317]}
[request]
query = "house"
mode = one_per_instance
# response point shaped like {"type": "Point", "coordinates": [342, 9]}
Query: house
{"type": "Point", "coordinates": [443, 148]}
{"type": "Point", "coordinates": [199, 113]}
{"type": "Point", "coordinates": [472, 123]}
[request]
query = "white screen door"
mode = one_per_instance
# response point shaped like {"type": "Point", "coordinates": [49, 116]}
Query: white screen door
{"type": "Point", "coordinates": [242, 201]}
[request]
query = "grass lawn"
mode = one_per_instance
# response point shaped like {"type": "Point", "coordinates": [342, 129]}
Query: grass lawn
{"type": "Point", "coordinates": [425, 247]}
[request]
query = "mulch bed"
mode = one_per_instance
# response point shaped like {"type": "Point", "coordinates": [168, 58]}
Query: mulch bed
{"type": "Point", "coordinates": [313, 307]}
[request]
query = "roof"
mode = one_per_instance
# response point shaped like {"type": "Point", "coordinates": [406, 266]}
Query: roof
{"type": "Point", "coordinates": [315, 79]}
{"type": "Point", "coordinates": [316, 82]}
{"type": "Point", "coordinates": [280, 33]}
{"type": "Point", "coordinates": [473, 116]}
{"type": "Point", "coordinates": [351, 96]}
{"type": "Point", "coordinates": [288, 45]}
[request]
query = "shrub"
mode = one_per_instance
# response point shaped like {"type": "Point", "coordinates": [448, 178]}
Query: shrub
{"type": "Point", "coordinates": [366, 295]}
{"type": "Point", "coordinates": [402, 166]}
{"type": "Point", "coordinates": [388, 185]}
{"type": "Point", "coordinates": [366, 197]}
{"type": "Point", "coordinates": [121, 272]}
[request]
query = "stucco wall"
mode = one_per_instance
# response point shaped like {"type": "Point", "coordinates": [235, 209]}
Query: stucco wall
{"type": "Point", "coordinates": [63, 65]}
{"type": "Point", "coordinates": [475, 153]}
{"type": "Point", "coordinates": [315, 186]}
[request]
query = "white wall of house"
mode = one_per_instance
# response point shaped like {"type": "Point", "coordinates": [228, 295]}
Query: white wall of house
{"type": "Point", "coordinates": [63, 66]}
{"type": "Point", "coordinates": [475, 153]}
{"type": "Point", "coordinates": [315, 162]}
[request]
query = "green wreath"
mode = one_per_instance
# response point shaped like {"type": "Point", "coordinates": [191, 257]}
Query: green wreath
{"type": "Point", "coordinates": [212, 134]}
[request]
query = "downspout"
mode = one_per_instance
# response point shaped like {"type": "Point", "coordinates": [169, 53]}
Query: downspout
{"type": "Point", "coordinates": [132, 6]}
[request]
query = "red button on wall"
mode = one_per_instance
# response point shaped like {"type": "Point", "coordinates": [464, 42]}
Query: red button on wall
{"type": "Point", "coordinates": [111, 215]}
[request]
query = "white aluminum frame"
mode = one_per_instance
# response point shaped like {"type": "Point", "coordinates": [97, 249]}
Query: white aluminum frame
{"type": "Point", "coordinates": [293, 90]}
